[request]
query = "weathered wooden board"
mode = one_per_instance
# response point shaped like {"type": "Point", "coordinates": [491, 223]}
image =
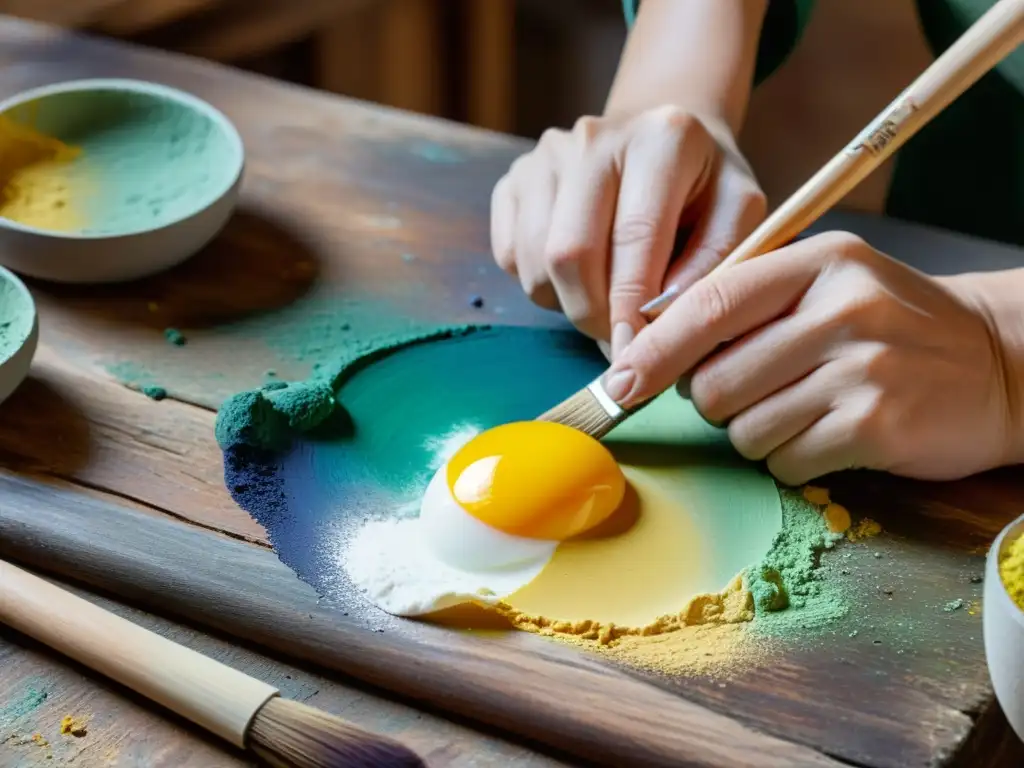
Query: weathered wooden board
{"type": "Point", "coordinates": [537, 690]}
{"type": "Point", "coordinates": [336, 193]}
{"type": "Point", "coordinates": [125, 731]}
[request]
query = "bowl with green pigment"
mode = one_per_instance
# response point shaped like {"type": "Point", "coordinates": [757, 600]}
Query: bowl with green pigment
{"type": "Point", "coordinates": [111, 180]}
{"type": "Point", "coordinates": [1003, 626]}
{"type": "Point", "coordinates": [19, 332]}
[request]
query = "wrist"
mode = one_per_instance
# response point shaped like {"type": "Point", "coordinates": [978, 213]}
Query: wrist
{"type": "Point", "coordinates": [998, 298]}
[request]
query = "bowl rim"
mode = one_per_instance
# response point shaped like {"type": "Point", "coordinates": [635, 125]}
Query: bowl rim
{"type": "Point", "coordinates": [137, 86]}
{"type": "Point", "coordinates": [7, 276]}
{"type": "Point", "coordinates": [1014, 528]}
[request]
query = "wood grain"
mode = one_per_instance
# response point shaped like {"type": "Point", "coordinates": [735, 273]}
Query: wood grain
{"type": "Point", "coordinates": [125, 731]}
{"type": "Point", "coordinates": [543, 693]}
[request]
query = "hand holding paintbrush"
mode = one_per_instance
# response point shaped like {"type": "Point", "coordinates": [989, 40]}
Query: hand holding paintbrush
{"type": "Point", "coordinates": [606, 402]}
{"type": "Point", "coordinates": [243, 711]}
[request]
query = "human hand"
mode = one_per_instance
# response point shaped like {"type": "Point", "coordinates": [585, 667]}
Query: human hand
{"type": "Point", "coordinates": [828, 355]}
{"type": "Point", "coordinates": [588, 219]}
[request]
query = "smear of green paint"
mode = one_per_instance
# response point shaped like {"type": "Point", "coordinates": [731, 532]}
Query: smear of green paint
{"type": "Point", "coordinates": [32, 698]}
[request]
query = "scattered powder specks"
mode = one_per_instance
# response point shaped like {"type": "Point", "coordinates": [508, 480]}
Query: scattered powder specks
{"type": "Point", "coordinates": [71, 725]}
{"type": "Point", "coordinates": [175, 337]}
{"type": "Point", "coordinates": [154, 392]}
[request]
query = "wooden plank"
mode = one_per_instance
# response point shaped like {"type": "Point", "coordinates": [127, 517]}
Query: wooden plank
{"type": "Point", "coordinates": [246, 592]}
{"type": "Point", "coordinates": [126, 731]}
{"type": "Point", "coordinates": [99, 434]}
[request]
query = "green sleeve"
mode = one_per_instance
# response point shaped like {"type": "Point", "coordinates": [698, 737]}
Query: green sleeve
{"type": "Point", "coordinates": [784, 22]}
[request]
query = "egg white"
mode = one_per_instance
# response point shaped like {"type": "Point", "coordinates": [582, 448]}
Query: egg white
{"type": "Point", "coordinates": [444, 557]}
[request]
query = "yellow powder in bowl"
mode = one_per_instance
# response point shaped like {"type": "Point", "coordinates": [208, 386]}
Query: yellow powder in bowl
{"type": "Point", "coordinates": [37, 186]}
{"type": "Point", "coordinates": [1011, 570]}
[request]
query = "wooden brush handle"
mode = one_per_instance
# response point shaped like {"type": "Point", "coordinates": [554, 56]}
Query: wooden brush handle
{"type": "Point", "coordinates": [979, 49]}
{"type": "Point", "coordinates": [210, 694]}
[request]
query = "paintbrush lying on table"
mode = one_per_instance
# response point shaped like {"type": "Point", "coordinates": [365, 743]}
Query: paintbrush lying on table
{"type": "Point", "coordinates": [243, 711]}
{"type": "Point", "coordinates": [993, 37]}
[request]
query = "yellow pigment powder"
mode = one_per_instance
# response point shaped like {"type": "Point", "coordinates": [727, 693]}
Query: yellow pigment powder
{"type": "Point", "coordinates": [816, 495]}
{"type": "Point", "coordinates": [837, 518]}
{"type": "Point", "coordinates": [1011, 569]}
{"type": "Point", "coordinates": [863, 529]}
{"type": "Point", "coordinates": [704, 638]}
{"type": "Point", "coordinates": [36, 180]}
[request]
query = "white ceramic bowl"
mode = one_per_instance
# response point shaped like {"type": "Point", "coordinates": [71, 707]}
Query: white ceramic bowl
{"type": "Point", "coordinates": [1003, 623]}
{"type": "Point", "coordinates": [157, 177]}
{"type": "Point", "coordinates": [19, 332]}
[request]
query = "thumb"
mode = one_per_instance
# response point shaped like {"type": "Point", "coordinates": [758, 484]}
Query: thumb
{"type": "Point", "coordinates": [735, 206]}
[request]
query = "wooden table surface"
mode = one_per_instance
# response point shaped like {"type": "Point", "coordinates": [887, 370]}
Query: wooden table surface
{"type": "Point", "coordinates": [336, 192]}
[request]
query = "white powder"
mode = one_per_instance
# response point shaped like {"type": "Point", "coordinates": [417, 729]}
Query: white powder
{"type": "Point", "coordinates": [389, 562]}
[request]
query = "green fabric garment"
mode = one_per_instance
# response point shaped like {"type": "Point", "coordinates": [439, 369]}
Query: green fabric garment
{"type": "Point", "coordinates": [783, 24]}
{"type": "Point", "coordinates": [965, 170]}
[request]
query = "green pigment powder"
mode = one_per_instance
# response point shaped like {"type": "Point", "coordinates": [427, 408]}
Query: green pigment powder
{"type": "Point", "coordinates": [268, 417]}
{"type": "Point", "coordinates": [154, 392]}
{"type": "Point", "coordinates": [791, 593]}
{"type": "Point", "coordinates": [174, 336]}
{"type": "Point", "coordinates": [16, 318]}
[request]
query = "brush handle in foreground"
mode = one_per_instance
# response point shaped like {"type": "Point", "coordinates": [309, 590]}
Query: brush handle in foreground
{"type": "Point", "coordinates": [210, 694]}
{"type": "Point", "coordinates": [987, 42]}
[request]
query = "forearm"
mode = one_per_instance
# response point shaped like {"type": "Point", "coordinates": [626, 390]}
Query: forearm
{"type": "Point", "coordinates": [999, 296]}
{"type": "Point", "coordinates": [696, 54]}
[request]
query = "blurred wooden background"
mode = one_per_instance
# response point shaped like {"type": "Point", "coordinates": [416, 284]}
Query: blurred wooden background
{"type": "Point", "coordinates": [521, 65]}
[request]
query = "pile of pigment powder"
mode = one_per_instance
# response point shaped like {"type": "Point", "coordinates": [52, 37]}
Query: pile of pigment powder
{"type": "Point", "coordinates": [783, 597]}
{"type": "Point", "coordinates": [1011, 570]}
{"type": "Point", "coordinates": [38, 181]}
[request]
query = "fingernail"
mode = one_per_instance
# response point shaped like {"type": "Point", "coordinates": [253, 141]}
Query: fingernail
{"type": "Point", "coordinates": [606, 350]}
{"type": "Point", "coordinates": [622, 334]}
{"type": "Point", "coordinates": [618, 384]}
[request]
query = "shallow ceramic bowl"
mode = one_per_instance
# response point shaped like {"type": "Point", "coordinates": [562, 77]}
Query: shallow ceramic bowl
{"type": "Point", "coordinates": [154, 177]}
{"type": "Point", "coordinates": [1004, 633]}
{"type": "Point", "coordinates": [19, 332]}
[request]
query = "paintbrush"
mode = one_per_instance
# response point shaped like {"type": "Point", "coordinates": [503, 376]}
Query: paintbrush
{"type": "Point", "coordinates": [245, 712]}
{"type": "Point", "coordinates": [989, 40]}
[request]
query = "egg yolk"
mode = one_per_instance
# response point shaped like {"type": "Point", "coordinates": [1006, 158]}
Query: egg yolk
{"type": "Point", "coordinates": [536, 479]}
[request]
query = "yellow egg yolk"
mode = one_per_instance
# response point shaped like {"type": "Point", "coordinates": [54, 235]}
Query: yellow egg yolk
{"type": "Point", "coordinates": [536, 479]}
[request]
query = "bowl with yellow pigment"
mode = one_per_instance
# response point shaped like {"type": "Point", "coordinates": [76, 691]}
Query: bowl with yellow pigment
{"type": "Point", "coordinates": [19, 332]}
{"type": "Point", "coordinates": [1003, 613]}
{"type": "Point", "coordinates": [111, 180]}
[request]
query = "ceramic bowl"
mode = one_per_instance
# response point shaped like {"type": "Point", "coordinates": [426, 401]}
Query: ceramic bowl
{"type": "Point", "coordinates": [19, 332]}
{"type": "Point", "coordinates": [1003, 622]}
{"type": "Point", "coordinates": [112, 180]}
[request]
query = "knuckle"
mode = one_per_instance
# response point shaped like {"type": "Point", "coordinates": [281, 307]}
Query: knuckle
{"type": "Point", "coordinates": [634, 229]}
{"type": "Point", "coordinates": [755, 204]}
{"type": "Point", "coordinates": [746, 439]}
{"type": "Point", "coordinates": [785, 470]}
{"type": "Point", "coordinates": [843, 245]}
{"type": "Point", "coordinates": [708, 394]}
{"type": "Point", "coordinates": [564, 258]}
{"type": "Point", "coordinates": [673, 118]}
{"type": "Point", "coordinates": [710, 301]}
{"type": "Point", "coordinates": [587, 128]}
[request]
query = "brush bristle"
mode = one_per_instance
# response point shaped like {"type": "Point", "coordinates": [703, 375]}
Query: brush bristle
{"type": "Point", "coordinates": [287, 734]}
{"type": "Point", "coordinates": [583, 411]}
